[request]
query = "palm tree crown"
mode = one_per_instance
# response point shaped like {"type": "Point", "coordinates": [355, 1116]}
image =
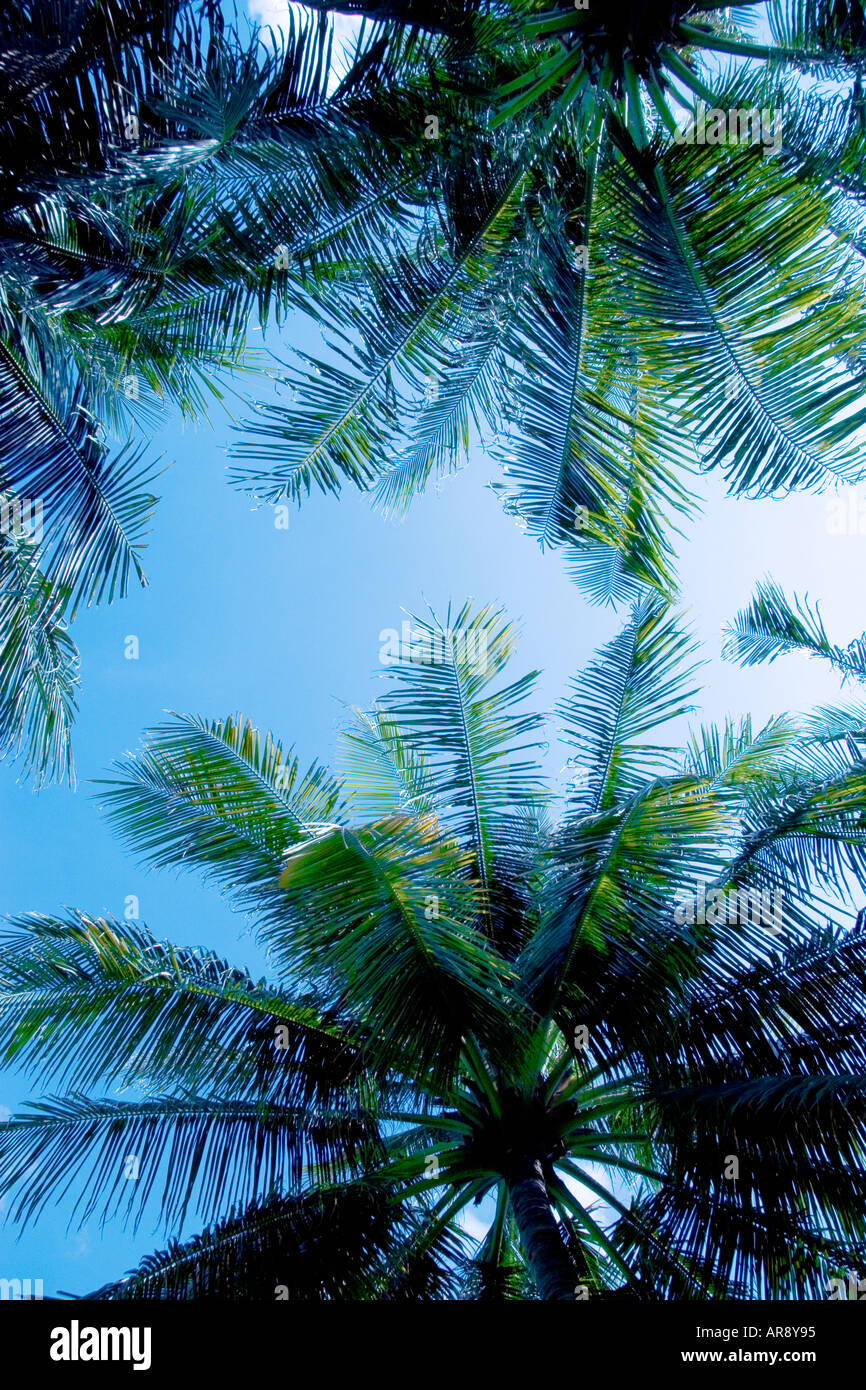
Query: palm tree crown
{"type": "Point", "coordinates": [625, 1019]}
{"type": "Point", "coordinates": [611, 289]}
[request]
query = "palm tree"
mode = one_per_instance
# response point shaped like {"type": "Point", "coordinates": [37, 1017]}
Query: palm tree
{"type": "Point", "coordinates": [612, 302]}
{"type": "Point", "coordinates": [164, 178]}
{"type": "Point", "coordinates": [624, 1018]}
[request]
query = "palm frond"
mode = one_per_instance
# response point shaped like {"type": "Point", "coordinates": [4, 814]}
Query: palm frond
{"type": "Point", "coordinates": [447, 710]}
{"type": "Point", "coordinates": [774, 625]}
{"type": "Point", "coordinates": [736, 756]}
{"type": "Point", "coordinates": [187, 1152]}
{"type": "Point", "coordinates": [400, 942]}
{"type": "Point", "coordinates": [221, 796]}
{"type": "Point", "coordinates": [757, 369]}
{"type": "Point", "coordinates": [39, 668]}
{"type": "Point", "coordinates": [336, 1243]}
{"type": "Point", "coordinates": [95, 509]}
{"type": "Point", "coordinates": [638, 682]}
{"type": "Point", "coordinates": [383, 772]}
{"type": "Point", "coordinates": [347, 421]}
{"type": "Point", "coordinates": [87, 1001]}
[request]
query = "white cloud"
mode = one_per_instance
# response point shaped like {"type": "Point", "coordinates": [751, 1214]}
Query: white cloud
{"type": "Point", "coordinates": [473, 1224]}
{"type": "Point", "coordinates": [274, 12]}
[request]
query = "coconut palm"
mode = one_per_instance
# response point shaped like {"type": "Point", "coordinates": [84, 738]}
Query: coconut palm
{"type": "Point", "coordinates": [611, 302]}
{"type": "Point", "coordinates": [619, 1023]}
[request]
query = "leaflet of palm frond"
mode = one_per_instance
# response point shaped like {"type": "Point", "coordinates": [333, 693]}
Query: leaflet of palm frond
{"type": "Point", "coordinates": [755, 362]}
{"type": "Point", "coordinates": [559, 463]}
{"type": "Point", "coordinates": [454, 17]}
{"type": "Point", "coordinates": [270, 114]}
{"type": "Point", "coordinates": [195, 289]}
{"type": "Point", "coordinates": [39, 668]}
{"type": "Point", "coordinates": [652, 971]}
{"type": "Point", "coordinates": [708, 974]}
{"type": "Point", "coordinates": [640, 530]}
{"type": "Point", "coordinates": [385, 55]}
{"type": "Point", "coordinates": [96, 508]}
{"type": "Point", "coordinates": [831, 723]}
{"type": "Point", "coordinates": [817, 141]}
{"type": "Point", "coordinates": [441, 442]}
{"type": "Point", "coordinates": [763, 1120]}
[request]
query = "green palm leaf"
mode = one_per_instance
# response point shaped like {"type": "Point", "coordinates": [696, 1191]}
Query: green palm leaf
{"type": "Point", "coordinates": [219, 795]}
{"type": "Point", "coordinates": [89, 1001]}
{"type": "Point", "coordinates": [447, 709]}
{"type": "Point", "coordinates": [186, 1151]}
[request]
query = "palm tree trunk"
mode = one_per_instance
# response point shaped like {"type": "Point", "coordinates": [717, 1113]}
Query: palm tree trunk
{"type": "Point", "coordinates": [551, 1266]}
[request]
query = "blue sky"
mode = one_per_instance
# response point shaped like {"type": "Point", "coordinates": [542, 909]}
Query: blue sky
{"type": "Point", "coordinates": [284, 626]}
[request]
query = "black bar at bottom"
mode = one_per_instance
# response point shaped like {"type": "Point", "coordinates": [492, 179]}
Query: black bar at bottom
{"type": "Point", "coordinates": [65, 1339]}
